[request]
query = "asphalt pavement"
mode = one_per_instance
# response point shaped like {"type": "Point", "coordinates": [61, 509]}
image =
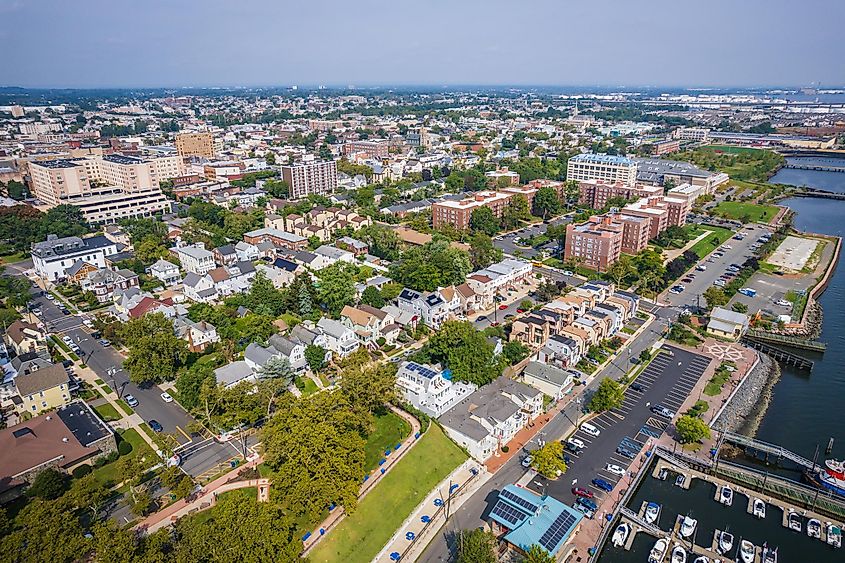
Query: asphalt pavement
{"type": "Point", "coordinates": [507, 242]}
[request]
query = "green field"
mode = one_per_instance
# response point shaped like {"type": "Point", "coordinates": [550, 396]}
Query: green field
{"type": "Point", "coordinates": [390, 429]}
{"type": "Point", "coordinates": [712, 241]}
{"type": "Point", "coordinates": [360, 536]}
{"type": "Point", "coordinates": [730, 149]}
{"type": "Point", "coordinates": [107, 474]}
{"type": "Point", "coordinates": [737, 210]}
{"type": "Point", "coordinates": [108, 412]}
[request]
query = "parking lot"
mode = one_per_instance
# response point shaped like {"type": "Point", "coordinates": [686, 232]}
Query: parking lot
{"type": "Point", "coordinates": [624, 431]}
{"type": "Point", "coordinates": [507, 243]}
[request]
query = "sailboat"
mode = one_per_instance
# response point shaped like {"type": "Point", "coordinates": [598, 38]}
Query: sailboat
{"type": "Point", "coordinates": [679, 555]}
{"type": "Point", "coordinates": [688, 526]}
{"type": "Point", "coordinates": [759, 508]}
{"type": "Point", "coordinates": [658, 551]}
{"type": "Point", "coordinates": [652, 512]}
{"type": "Point", "coordinates": [747, 551]}
{"type": "Point", "coordinates": [814, 528]}
{"type": "Point", "coordinates": [621, 534]}
{"type": "Point", "coordinates": [794, 520]}
{"type": "Point", "coordinates": [726, 542]}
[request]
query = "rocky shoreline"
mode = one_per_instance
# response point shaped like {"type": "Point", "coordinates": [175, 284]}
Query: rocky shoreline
{"type": "Point", "coordinates": [747, 407]}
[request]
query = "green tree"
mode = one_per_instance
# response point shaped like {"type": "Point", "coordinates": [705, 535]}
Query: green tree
{"type": "Point", "coordinates": [325, 152]}
{"type": "Point", "coordinates": [337, 286]}
{"type": "Point", "coordinates": [382, 241]}
{"type": "Point", "coordinates": [150, 249]}
{"type": "Point", "coordinates": [608, 396]}
{"type": "Point", "coordinates": [390, 291]}
{"type": "Point", "coordinates": [315, 356]}
{"type": "Point", "coordinates": [515, 212]}
{"type": "Point", "coordinates": [277, 367]}
{"type": "Point", "coordinates": [620, 270]}
{"type": "Point", "coordinates": [537, 554]}
{"type": "Point", "coordinates": [739, 307]}
{"type": "Point", "coordinates": [45, 532]}
{"type": "Point", "coordinates": [715, 297]}
{"type": "Point", "coordinates": [483, 220]}
{"type": "Point", "coordinates": [475, 546]}
{"type": "Point", "coordinates": [263, 297]}
{"type": "Point", "coordinates": [691, 429]}
{"type": "Point", "coordinates": [546, 202]}
{"type": "Point", "coordinates": [369, 388]}
{"type": "Point", "coordinates": [49, 485]}
{"type": "Point", "coordinates": [482, 252]}
{"type": "Point", "coordinates": [548, 460]}
{"type": "Point", "coordinates": [465, 351]}
{"type": "Point", "coordinates": [270, 158]}
{"type": "Point", "coordinates": [436, 264]}
{"type": "Point", "coordinates": [277, 188]}
{"type": "Point", "coordinates": [155, 353]}
{"type": "Point", "coordinates": [372, 296]}
{"type": "Point", "coordinates": [515, 351]}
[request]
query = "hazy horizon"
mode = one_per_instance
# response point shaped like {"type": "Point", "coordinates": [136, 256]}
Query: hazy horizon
{"type": "Point", "coordinates": [371, 43]}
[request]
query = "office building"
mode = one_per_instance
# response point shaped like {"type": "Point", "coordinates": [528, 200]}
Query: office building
{"type": "Point", "coordinates": [660, 172]}
{"type": "Point", "coordinates": [200, 143]}
{"type": "Point", "coordinates": [666, 147]}
{"type": "Point", "coordinates": [458, 213]}
{"type": "Point", "coordinates": [316, 177]}
{"type": "Point", "coordinates": [698, 134]}
{"type": "Point", "coordinates": [605, 167]}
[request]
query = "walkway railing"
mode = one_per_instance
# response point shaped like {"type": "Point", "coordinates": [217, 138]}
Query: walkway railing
{"type": "Point", "coordinates": [766, 447]}
{"type": "Point", "coordinates": [793, 341]}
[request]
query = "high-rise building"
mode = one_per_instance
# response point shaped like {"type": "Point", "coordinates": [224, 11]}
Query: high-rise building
{"type": "Point", "coordinates": [596, 193]}
{"type": "Point", "coordinates": [200, 143]}
{"type": "Point", "coordinates": [304, 178]}
{"type": "Point", "coordinates": [605, 167]}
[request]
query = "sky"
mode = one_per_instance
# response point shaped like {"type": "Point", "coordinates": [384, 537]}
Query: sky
{"type": "Point", "coordinates": [174, 43]}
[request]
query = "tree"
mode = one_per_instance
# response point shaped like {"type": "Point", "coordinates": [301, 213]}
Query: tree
{"type": "Point", "coordinates": [548, 460]}
{"type": "Point", "coordinates": [368, 388]}
{"type": "Point", "coordinates": [49, 485]}
{"type": "Point", "coordinates": [608, 396]}
{"type": "Point", "coordinates": [715, 297]}
{"type": "Point", "coordinates": [515, 212]}
{"type": "Point", "coordinates": [270, 158]}
{"type": "Point", "coordinates": [390, 291]}
{"type": "Point", "coordinates": [482, 252]}
{"type": "Point", "coordinates": [277, 367]}
{"type": "Point", "coordinates": [277, 188]}
{"type": "Point", "coordinates": [263, 297]}
{"type": "Point", "coordinates": [483, 220]}
{"type": "Point", "coordinates": [325, 152]}
{"type": "Point", "coordinates": [433, 265]}
{"type": "Point", "coordinates": [465, 351]}
{"type": "Point", "coordinates": [381, 240]}
{"type": "Point", "coordinates": [142, 504]}
{"type": "Point", "coordinates": [620, 270]}
{"type": "Point", "coordinates": [515, 351]}
{"type": "Point", "coordinates": [87, 493]}
{"type": "Point", "coordinates": [475, 546]}
{"type": "Point", "coordinates": [739, 307]}
{"type": "Point", "coordinates": [546, 202]}
{"type": "Point", "coordinates": [537, 554]}
{"type": "Point", "coordinates": [372, 297]}
{"type": "Point", "coordinates": [155, 352]}
{"type": "Point", "coordinates": [315, 356]}
{"type": "Point", "coordinates": [337, 286]}
{"type": "Point", "coordinates": [45, 532]}
{"type": "Point", "coordinates": [691, 429]}
{"type": "Point", "coordinates": [149, 249]}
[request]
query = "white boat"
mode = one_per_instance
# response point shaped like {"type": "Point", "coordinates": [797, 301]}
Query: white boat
{"type": "Point", "coordinates": [814, 528]}
{"type": "Point", "coordinates": [701, 559]}
{"type": "Point", "coordinates": [770, 554]}
{"type": "Point", "coordinates": [726, 496]}
{"type": "Point", "coordinates": [621, 534]}
{"type": "Point", "coordinates": [834, 535]}
{"type": "Point", "coordinates": [679, 555]}
{"type": "Point", "coordinates": [658, 551]}
{"type": "Point", "coordinates": [726, 542]}
{"type": "Point", "coordinates": [794, 520]}
{"type": "Point", "coordinates": [662, 474]}
{"type": "Point", "coordinates": [679, 480]}
{"type": "Point", "coordinates": [747, 551]}
{"type": "Point", "coordinates": [652, 512]}
{"type": "Point", "coordinates": [688, 526]}
{"type": "Point", "coordinates": [759, 508]}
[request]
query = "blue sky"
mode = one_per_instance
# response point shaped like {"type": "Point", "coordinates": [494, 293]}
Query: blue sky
{"type": "Point", "coordinates": [122, 43]}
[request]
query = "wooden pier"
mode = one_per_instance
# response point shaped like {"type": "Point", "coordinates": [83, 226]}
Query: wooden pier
{"type": "Point", "coordinates": [785, 340]}
{"type": "Point", "coordinates": [776, 353]}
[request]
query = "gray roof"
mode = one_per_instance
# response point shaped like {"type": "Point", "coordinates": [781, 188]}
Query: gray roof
{"type": "Point", "coordinates": [192, 279]}
{"type": "Point", "coordinates": [231, 373]}
{"type": "Point", "coordinates": [545, 372]}
{"type": "Point", "coordinates": [332, 327]}
{"type": "Point", "coordinates": [284, 345]}
{"type": "Point", "coordinates": [258, 354]}
{"type": "Point", "coordinates": [728, 316]}
{"type": "Point", "coordinates": [488, 402]}
{"type": "Point", "coordinates": [41, 379]}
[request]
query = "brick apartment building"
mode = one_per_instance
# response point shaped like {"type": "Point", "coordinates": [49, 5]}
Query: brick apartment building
{"type": "Point", "coordinates": [596, 193]}
{"type": "Point", "coordinates": [596, 243]}
{"type": "Point", "coordinates": [195, 144]}
{"type": "Point", "coordinates": [458, 213]}
{"type": "Point", "coordinates": [366, 149]}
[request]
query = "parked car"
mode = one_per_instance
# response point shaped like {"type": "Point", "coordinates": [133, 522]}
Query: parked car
{"type": "Point", "coordinates": [602, 484]}
{"type": "Point", "coordinates": [662, 411]}
{"type": "Point", "coordinates": [104, 343]}
{"type": "Point", "coordinates": [166, 397]}
{"type": "Point", "coordinates": [482, 318]}
{"type": "Point", "coordinates": [502, 307]}
{"type": "Point", "coordinates": [576, 442]}
{"type": "Point", "coordinates": [568, 273]}
{"type": "Point", "coordinates": [131, 400]}
{"type": "Point", "coordinates": [589, 503]}
{"type": "Point", "coordinates": [636, 387]}
{"type": "Point", "coordinates": [582, 492]}
{"type": "Point", "coordinates": [615, 469]}
{"type": "Point", "coordinates": [588, 428]}
{"type": "Point", "coordinates": [623, 451]}
{"type": "Point", "coordinates": [783, 303]}
{"type": "Point", "coordinates": [155, 426]}
{"type": "Point", "coordinates": [527, 461]}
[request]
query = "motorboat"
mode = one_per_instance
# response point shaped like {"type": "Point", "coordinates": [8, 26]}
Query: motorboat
{"type": "Point", "coordinates": [662, 474]}
{"type": "Point", "coordinates": [834, 535]}
{"type": "Point", "coordinates": [652, 512]}
{"type": "Point", "coordinates": [621, 534]}
{"type": "Point", "coordinates": [759, 508]}
{"type": "Point", "coordinates": [794, 520]}
{"type": "Point", "coordinates": [726, 496]}
{"type": "Point", "coordinates": [688, 526]}
{"type": "Point", "coordinates": [679, 555]}
{"type": "Point", "coordinates": [814, 528]}
{"type": "Point", "coordinates": [770, 554]}
{"type": "Point", "coordinates": [726, 542]}
{"type": "Point", "coordinates": [831, 476]}
{"type": "Point", "coordinates": [658, 551]}
{"type": "Point", "coordinates": [680, 480]}
{"type": "Point", "coordinates": [747, 551]}
{"type": "Point", "coordinates": [701, 559]}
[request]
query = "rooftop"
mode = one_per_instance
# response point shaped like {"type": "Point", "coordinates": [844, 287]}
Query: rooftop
{"type": "Point", "coordinates": [593, 158]}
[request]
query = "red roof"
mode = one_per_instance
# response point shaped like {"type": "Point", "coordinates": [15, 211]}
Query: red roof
{"type": "Point", "coordinates": [146, 305]}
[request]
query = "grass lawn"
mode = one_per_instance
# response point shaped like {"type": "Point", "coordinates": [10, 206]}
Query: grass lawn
{"type": "Point", "coordinates": [736, 210]}
{"type": "Point", "coordinates": [107, 389]}
{"type": "Point", "coordinates": [360, 536]}
{"type": "Point", "coordinates": [108, 412]}
{"type": "Point", "coordinates": [107, 474]}
{"type": "Point", "coordinates": [12, 258]}
{"type": "Point", "coordinates": [148, 431]}
{"type": "Point", "coordinates": [64, 347]}
{"type": "Point", "coordinates": [712, 241]}
{"type": "Point", "coordinates": [124, 407]}
{"type": "Point", "coordinates": [390, 429]}
{"type": "Point", "coordinates": [729, 149]}
{"type": "Point", "coordinates": [309, 386]}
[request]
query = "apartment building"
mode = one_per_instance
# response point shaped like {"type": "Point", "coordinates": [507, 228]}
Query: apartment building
{"type": "Point", "coordinates": [195, 258]}
{"type": "Point", "coordinates": [53, 257]}
{"type": "Point", "coordinates": [698, 134]}
{"type": "Point", "coordinates": [366, 149]}
{"type": "Point", "coordinates": [667, 146]}
{"type": "Point", "coordinates": [596, 243]}
{"type": "Point", "coordinates": [653, 209]}
{"type": "Point", "coordinates": [200, 143]}
{"type": "Point", "coordinates": [304, 178]}
{"type": "Point", "coordinates": [494, 176]}
{"type": "Point", "coordinates": [458, 213]}
{"type": "Point", "coordinates": [279, 239]}
{"type": "Point", "coordinates": [635, 232]}
{"type": "Point", "coordinates": [597, 193]}
{"type": "Point", "coordinates": [605, 167]}
{"type": "Point", "coordinates": [225, 170]}
{"type": "Point", "coordinates": [528, 192]}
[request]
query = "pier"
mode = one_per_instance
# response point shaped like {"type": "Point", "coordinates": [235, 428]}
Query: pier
{"type": "Point", "coordinates": [815, 192]}
{"type": "Point", "coordinates": [791, 341]}
{"type": "Point", "coordinates": [776, 353]}
{"type": "Point", "coordinates": [820, 168]}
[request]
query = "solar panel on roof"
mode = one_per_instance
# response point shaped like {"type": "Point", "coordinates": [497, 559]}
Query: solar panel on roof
{"type": "Point", "coordinates": [556, 532]}
{"type": "Point", "coordinates": [507, 513]}
{"type": "Point", "coordinates": [518, 500]}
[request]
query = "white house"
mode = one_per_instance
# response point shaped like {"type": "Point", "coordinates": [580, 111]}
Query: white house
{"type": "Point", "coordinates": [198, 335]}
{"type": "Point", "coordinates": [549, 379]}
{"type": "Point", "coordinates": [199, 288]}
{"type": "Point", "coordinates": [195, 258]}
{"type": "Point", "coordinates": [497, 277]}
{"type": "Point", "coordinates": [427, 389]}
{"type": "Point", "coordinates": [53, 257]}
{"type": "Point", "coordinates": [560, 350]}
{"type": "Point", "coordinates": [234, 373]}
{"type": "Point", "coordinates": [433, 308]}
{"type": "Point", "coordinates": [166, 272]}
{"type": "Point", "coordinates": [246, 252]}
{"type": "Point", "coordinates": [339, 339]}
{"type": "Point", "coordinates": [490, 417]}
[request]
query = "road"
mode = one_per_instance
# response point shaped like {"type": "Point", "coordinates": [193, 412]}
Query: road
{"type": "Point", "coordinates": [472, 514]}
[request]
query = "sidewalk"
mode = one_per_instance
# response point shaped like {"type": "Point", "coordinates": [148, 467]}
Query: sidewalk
{"type": "Point", "coordinates": [675, 252]}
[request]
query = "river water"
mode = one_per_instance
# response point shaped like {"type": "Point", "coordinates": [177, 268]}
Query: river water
{"type": "Point", "coordinates": [805, 411]}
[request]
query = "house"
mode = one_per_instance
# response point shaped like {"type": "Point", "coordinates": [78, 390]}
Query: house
{"type": "Point", "coordinates": [524, 519]}
{"type": "Point", "coordinates": [64, 439]}
{"type": "Point", "coordinates": [497, 278]}
{"type": "Point", "coordinates": [79, 270]}
{"type": "Point", "coordinates": [339, 339]}
{"type": "Point", "coordinates": [433, 308]}
{"type": "Point", "coordinates": [52, 258]}
{"type": "Point", "coordinates": [405, 319]}
{"type": "Point", "coordinates": [24, 337]}
{"type": "Point", "coordinates": [290, 348]}
{"type": "Point", "coordinates": [490, 417]}
{"type": "Point", "coordinates": [334, 254]}
{"type": "Point", "coordinates": [549, 379]}
{"type": "Point", "coordinates": [234, 373]}
{"type": "Point", "coordinates": [246, 252]}
{"type": "Point", "coordinates": [279, 238]}
{"type": "Point", "coordinates": [104, 282]}
{"type": "Point", "coordinates": [43, 388]}
{"type": "Point", "coordinates": [225, 255]}
{"type": "Point", "coordinates": [353, 245]}
{"type": "Point", "coordinates": [727, 324]}
{"type": "Point", "coordinates": [195, 258]}
{"type": "Point", "coordinates": [427, 389]}
{"type": "Point", "coordinates": [199, 288]}
{"type": "Point", "coordinates": [370, 324]}
{"type": "Point", "coordinates": [166, 272]}
{"type": "Point", "coordinates": [198, 335]}
{"type": "Point", "coordinates": [561, 350]}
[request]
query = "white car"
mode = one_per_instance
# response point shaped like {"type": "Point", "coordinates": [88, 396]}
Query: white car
{"type": "Point", "coordinates": [166, 397]}
{"type": "Point", "coordinates": [526, 461]}
{"type": "Point", "coordinates": [615, 469]}
{"type": "Point", "coordinates": [590, 429]}
{"type": "Point", "coordinates": [88, 323]}
{"type": "Point", "coordinates": [50, 297]}
{"type": "Point", "coordinates": [568, 273]}
{"type": "Point", "coordinates": [783, 303]}
{"type": "Point", "coordinates": [577, 443]}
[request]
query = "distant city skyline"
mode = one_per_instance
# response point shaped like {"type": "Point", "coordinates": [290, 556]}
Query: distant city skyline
{"type": "Point", "coordinates": [253, 43]}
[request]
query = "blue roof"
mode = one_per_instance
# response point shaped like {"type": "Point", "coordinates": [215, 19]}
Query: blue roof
{"type": "Point", "coordinates": [534, 519]}
{"type": "Point", "coordinates": [602, 158]}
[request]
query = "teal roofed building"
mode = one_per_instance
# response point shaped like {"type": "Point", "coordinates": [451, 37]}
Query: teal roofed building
{"type": "Point", "coordinates": [528, 519]}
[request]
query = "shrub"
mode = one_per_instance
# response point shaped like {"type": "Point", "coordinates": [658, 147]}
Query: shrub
{"type": "Point", "coordinates": [81, 471]}
{"type": "Point", "coordinates": [124, 448]}
{"type": "Point", "coordinates": [505, 449]}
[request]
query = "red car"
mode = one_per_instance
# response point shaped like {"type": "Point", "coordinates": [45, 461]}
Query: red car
{"type": "Point", "coordinates": [494, 324]}
{"type": "Point", "coordinates": [520, 310]}
{"type": "Point", "coordinates": [579, 492]}
{"type": "Point", "coordinates": [502, 307]}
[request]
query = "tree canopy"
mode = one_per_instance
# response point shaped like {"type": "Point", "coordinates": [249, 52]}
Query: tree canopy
{"type": "Point", "coordinates": [465, 351]}
{"type": "Point", "coordinates": [155, 352]}
{"type": "Point", "coordinates": [433, 265]}
{"type": "Point", "coordinates": [608, 396]}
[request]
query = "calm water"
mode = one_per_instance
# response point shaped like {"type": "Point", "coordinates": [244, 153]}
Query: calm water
{"type": "Point", "coordinates": [832, 181]}
{"type": "Point", "coordinates": [698, 502]}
